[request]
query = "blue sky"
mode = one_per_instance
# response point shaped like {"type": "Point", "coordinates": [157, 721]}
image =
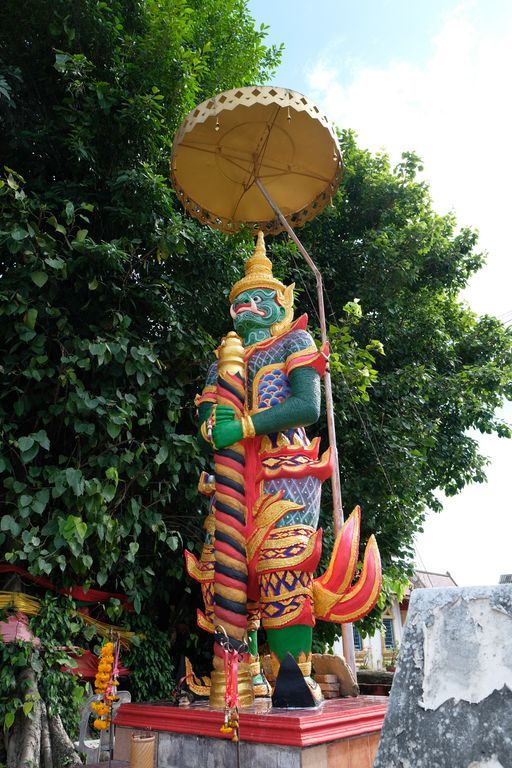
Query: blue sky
{"type": "Point", "coordinates": [363, 33]}
{"type": "Point", "coordinates": [432, 76]}
{"type": "Point", "coordinates": [368, 32]}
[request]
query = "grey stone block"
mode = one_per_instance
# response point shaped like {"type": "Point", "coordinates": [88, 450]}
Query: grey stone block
{"type": "Point", "coordinates": [176, 750]}
{"type": "Point", "coordinates": [451, 700]}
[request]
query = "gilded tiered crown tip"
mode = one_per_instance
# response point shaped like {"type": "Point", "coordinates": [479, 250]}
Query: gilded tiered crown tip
{"type": "Point", "coordinates": [258, 272]}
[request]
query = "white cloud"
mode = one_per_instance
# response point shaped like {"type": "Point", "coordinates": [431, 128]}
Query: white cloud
{"type": "Point", "coordinates": [471, 538]}
{"type": "Point", "coordinates": [454, 110]}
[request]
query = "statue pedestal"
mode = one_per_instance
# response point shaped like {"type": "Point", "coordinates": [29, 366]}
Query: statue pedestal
{"type": "Point", "coordinates": [341, 733]}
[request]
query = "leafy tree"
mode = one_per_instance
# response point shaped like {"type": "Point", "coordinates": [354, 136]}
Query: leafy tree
{"type": "Point", "coordinates": [38, 700]}
{"type": "Point", "coordinates": [103, 315]}
{"type": "Point", "coordinates": [100, 277]}
{"type": "Point", "coordinates": [151, 663]}
{"type": "Point", "coordinates": [444, 370]}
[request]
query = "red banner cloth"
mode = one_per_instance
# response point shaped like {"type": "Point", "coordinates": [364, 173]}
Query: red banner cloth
{"type": "Point", "coordinates": [87, 666]}
{"type": "Point", "coordinates": [77, 593]}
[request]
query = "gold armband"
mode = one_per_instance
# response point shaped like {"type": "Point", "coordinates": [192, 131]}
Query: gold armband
{"type": "Point", "coordinates": [247, 426]}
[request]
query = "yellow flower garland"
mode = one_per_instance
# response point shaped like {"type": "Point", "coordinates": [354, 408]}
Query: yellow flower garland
{"type": "Point", "coordinates": [105, 685]}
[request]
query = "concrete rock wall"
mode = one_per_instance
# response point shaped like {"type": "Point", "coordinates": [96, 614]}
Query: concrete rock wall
{"type": "Point", "coordinates": [451, 700]}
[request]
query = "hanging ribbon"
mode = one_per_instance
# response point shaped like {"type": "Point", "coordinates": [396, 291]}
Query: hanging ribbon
{"type": "Point", "coordinates": [231, 657]}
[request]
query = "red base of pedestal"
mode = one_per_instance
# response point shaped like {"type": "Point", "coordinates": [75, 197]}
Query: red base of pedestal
{"type": "Point", "coordinates": [333, 720]}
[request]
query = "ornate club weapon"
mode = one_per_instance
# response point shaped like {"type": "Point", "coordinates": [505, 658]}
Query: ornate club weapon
{"type": "Point", "coordinates": [231, 573]}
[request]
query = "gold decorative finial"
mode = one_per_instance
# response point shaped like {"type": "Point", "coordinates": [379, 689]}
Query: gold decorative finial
{"type": "Point", "coordinates": [259, 263]}
{"type": "Point", "coordinates": [258, 274]}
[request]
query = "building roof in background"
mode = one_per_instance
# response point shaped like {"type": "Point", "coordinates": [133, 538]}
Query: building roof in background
{"type": "Point", "coordinates": [428, 579]}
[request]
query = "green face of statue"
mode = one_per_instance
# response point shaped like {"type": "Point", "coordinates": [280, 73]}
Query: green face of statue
{"type": "Point", "coordinates": [254, 312]}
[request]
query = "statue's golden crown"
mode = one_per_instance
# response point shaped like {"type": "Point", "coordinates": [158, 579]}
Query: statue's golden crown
{"type": "Point", "coordinates": [258, 273]}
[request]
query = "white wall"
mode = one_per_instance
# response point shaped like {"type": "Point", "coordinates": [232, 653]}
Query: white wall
{"type": "Point", "coordinates": [375, 642]}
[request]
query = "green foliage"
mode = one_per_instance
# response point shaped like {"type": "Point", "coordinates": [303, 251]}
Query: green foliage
{"type": "Point", "coordinates": [349, 362]}
{"type": "Point", "coordinates": [103, 316]}
{"type": "Point", "coordinates": [14, 657]}
{"type": "Point", "coordinates": [394, 587]}
{"type": "Point", "coordinates": [88, 414]}
{"type": "Point", "coordinates": [59, 629]}
{"type": "Point", "coordinates": [150, 660]}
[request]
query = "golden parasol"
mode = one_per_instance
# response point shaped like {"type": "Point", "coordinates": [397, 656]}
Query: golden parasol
{"type": "Point", "coordinates": [266, 158]}
{"type": "Point", "coordinates": [267, 134]}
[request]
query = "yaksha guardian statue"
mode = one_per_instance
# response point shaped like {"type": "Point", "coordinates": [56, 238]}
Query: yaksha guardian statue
{"type": "Point", "coordinates": [262, 545]}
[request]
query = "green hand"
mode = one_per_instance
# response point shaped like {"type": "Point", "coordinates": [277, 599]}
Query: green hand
{"type": "Point", "coordinates": [226, 432]}
{"type": "Point", "coordinates": [224, 413]}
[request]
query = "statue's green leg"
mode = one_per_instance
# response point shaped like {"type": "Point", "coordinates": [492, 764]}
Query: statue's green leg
{"type": "Point", "coordinates": [259, 681]}
{"type": "Point", "coordinates": [253, 642]}
{"type": "Point", "coordinates": [296, 640]}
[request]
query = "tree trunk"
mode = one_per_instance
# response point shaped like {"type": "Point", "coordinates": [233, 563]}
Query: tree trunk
{"type": "Point", "coordinates": [14, 737]}
{"type": "Point", "coordinates": [31, 742]}
{"type": "Point", "coordinates": [38, 741]}
{"type": "Point", "coordinates": [46, 743]}
{"type": "Point", "coordinates": [63, 750]}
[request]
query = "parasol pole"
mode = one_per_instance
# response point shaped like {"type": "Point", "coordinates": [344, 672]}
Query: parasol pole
{"type": "Point", "coordinates": [346, 629]}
